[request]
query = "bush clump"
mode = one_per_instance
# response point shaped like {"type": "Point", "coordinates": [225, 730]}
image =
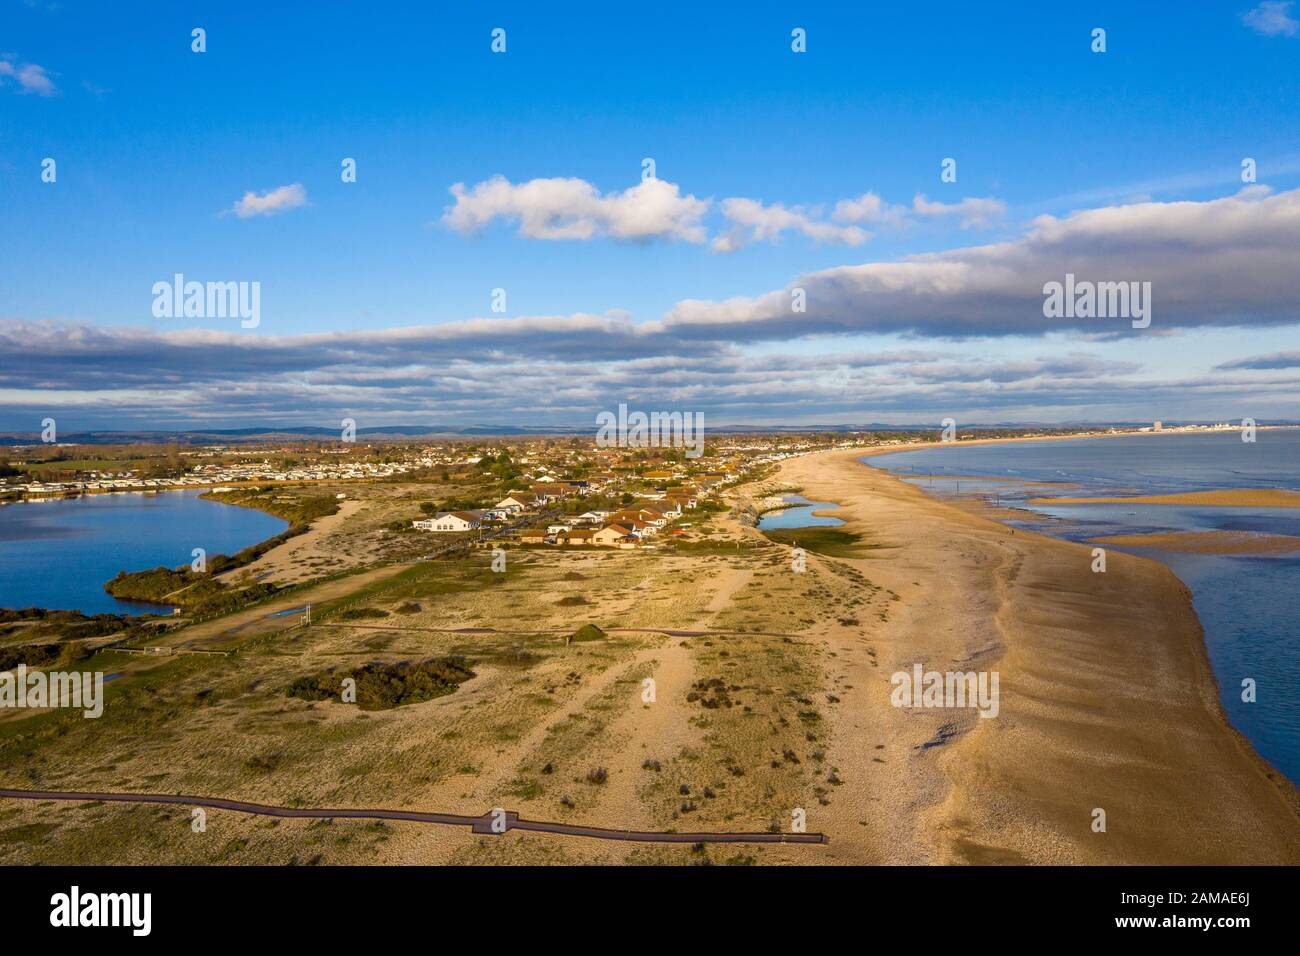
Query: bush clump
{"type": "Point", "coordinates": [382, 686]}
{"type": "Point", "coordinates": [588, 632]}
{"type": "Point", "coordinates": [361, 614]}
{"type": "Point", "coordinates": [33, 655]}
{"type": "Point", "coordinates": [712, 693]}
{"type": "Point", "coordinates": [199, 593]}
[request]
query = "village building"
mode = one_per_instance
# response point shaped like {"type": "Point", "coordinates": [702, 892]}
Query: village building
{"type": "Point", "coordinates": [611, 535]}
{"type": "Point", "coordinates": [518, 501]}
{"type": "Point", "coordinates": [451, 521]}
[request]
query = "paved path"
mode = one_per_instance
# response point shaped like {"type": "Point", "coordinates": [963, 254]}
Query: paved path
{"type": "Point", "coordinates": [506, 820]}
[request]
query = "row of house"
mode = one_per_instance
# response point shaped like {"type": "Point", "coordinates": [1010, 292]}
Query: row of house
{"type": "Point", "coordinates": [514, 503]}
{"type": "Point", "coordinates": [628, 527]}
{"type": "Point", "coordinates": [611, 536]}
{"type": "Point", "coordinates": [202, 476]}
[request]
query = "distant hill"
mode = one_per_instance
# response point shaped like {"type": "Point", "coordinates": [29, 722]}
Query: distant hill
{"type": "Point", "coordinates": [381, 432]}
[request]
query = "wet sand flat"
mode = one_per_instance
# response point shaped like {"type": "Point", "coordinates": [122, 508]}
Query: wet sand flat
{"type": "Point", "coordinates": [1207, 542]}
{"type": "Point", "coordinates": [1228, 498]}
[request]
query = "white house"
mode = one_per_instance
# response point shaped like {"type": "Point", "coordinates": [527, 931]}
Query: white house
{"type": "Point", "coordinates": [451, 521]}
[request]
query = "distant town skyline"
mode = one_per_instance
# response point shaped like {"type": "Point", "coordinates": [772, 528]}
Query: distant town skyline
{"type": "Point", "coordinates": [794, 216]}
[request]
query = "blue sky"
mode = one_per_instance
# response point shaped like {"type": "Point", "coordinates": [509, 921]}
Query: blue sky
{"type": "Point", "coordinates": [155, 145]}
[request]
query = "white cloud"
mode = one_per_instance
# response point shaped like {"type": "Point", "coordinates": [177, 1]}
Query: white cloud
{"type": "Point", "coordinates": [973, 213]}
{"type": "Point", "coordinates": [30, 77]}
{"type": "Point", "coordinates": [1228, 262]}
{"type": "Point", "coordinates": [754, 222]}
{"type": "Point", "coordinates": [1272, 360]}
{"type": "Point", "coordinates": [1272, 18]}
{"type": "Point", "coordinates": [868, 208]}
{"type": "Point", "coordinates": [152, 378]}
{"type": "Point", "coordinates": [1222, 263]}
{"type": "Point", "coordinates": [278, 200]}
{"type": "Point", "coordinates": [574, 209]}
{"type": "Point", "coordinates": [570, 208]}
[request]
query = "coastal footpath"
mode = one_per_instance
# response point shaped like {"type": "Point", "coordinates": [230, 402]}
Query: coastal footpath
{"type": "Point", "coordinates": [1107, 702]}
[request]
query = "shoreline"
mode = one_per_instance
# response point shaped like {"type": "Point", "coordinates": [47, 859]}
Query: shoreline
{"type": "Point", "coordinates": [1226, 498]}
{"type": "Point", "coordinates": [1223, 543]}
{"type": "Point", "coordinates": [1109, 700]}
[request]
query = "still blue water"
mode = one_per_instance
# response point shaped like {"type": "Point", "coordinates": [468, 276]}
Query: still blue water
{"type": "Point", "coordinates": [800, 517]}
{"type": "Point", "coordinates": [1249, 606]}
{"type": "Point", "coordinates": [58, 553]}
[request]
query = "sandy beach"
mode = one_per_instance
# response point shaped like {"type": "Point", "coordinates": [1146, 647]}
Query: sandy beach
{"type": "Point", "coordinates": [1107, 701]}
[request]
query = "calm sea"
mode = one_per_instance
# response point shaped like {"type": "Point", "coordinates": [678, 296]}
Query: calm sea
{"type": "Point", "coordinates": [59, 553]}
{"type": "Point", "coordinates": [1249, 606]}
